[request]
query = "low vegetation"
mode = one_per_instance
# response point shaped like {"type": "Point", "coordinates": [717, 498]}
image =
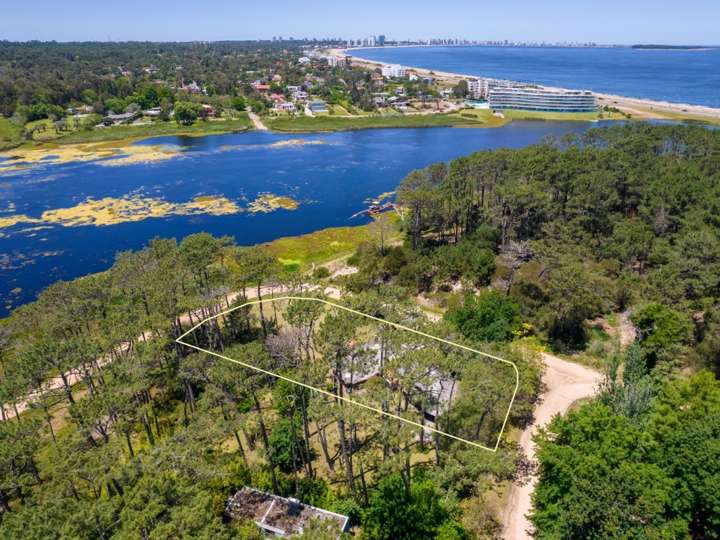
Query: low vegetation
{"type": "Point", "coordinates": [343, 123]}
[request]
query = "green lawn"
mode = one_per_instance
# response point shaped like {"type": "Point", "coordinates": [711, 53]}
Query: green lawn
{"type": "Point", "coordinates": [513, 114]}
{"type": "Point", "coordinates": [338, 123]}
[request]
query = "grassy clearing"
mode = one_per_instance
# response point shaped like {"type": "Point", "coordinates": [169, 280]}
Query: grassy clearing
{"type": "Point", "coordinates": [118, 135]}
{"type": "Point", "coordinates": [513, 114]}
{"type": "Point", "coordinates": [339, 123]}
{"type": "Point", "coordinates": [44, 130]}
{"type": "Point", "coordinates": [10, 134]}
{"type": "Point", "coordinates": [685, 117]}
{"type": "Point", "coordinates": [339, 110]}
{"type": "Point", "coordinates": [157, 129]}
{"type": "Point", "coordinates": [319, 246]}
{"type": "Point", "coordinates": [322, 246]}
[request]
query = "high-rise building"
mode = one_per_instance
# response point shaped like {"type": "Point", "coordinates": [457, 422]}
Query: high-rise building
{"type": "Point", "coordinates": [542, 99]}
{"type": "Point", "coordinates": [381, 40]}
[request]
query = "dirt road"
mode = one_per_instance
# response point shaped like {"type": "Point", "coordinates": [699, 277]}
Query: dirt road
{"type": "Point", "coordinates": [255, 119]}
{"type": "Point", "coordinates": [565, 383]}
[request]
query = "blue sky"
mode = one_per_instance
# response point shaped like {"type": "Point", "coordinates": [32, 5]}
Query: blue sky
{"type": "Point", "coordinates": [607, 21]}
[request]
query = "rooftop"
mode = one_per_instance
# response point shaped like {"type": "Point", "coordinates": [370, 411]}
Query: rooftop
{"type": "Point", "coordinates": [278, 515]}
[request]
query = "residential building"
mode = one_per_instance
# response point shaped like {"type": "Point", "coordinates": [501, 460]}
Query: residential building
{"type": "Point", "coordinates": [286, 106]}
{"type": "Point", "coordinates": [192, 87]}
{"type": "Point", "coordinates": [335, 61]}
{"type": "Point", "coordinates": [206, 111]}
{"type": "Point", "coordinates": [261, 86]}
{"type": "Point", "coordinates": [279, 516]}
{"type": "Point", "coordinates": [300, 95]}
{"type": "Point", "coordinates": [542, 99]}
{"type": "Point", "coordinates": [478, 88]}
{"type": "Point", "coordinates": [124, 118]}
{"type": "Point", "coordinates": [153, 112]}
{"type": "Point", "coordinates": [393, 71]}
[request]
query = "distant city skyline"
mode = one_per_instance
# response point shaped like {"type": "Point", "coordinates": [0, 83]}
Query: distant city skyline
{"type": "Point", "coordinates": [608, 22]}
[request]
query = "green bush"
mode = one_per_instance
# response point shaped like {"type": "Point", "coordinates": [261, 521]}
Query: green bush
{"type": "Point", "coordinates": [491, 316]}
{"type": "Point", "coordinates": [321, 272]}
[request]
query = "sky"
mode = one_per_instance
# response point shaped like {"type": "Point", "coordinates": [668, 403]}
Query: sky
{"type": "Point", "coordinates": [691, 22]}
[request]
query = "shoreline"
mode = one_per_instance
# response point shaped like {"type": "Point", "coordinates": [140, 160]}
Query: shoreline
{"type": "Point", "coordinates": [638, 107]}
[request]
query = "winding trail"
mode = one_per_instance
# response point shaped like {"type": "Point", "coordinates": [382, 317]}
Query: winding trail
{"type": "Point", "coordinates": [564, 383]}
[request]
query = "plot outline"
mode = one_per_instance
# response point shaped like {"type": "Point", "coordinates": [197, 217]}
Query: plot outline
{"type": "Point", "coordinates": [344, 398]}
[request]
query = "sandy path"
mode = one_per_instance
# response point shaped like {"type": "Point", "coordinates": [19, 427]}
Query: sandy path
{"type": "Point", "coordinates": [565, 383]}
{"type": "Point", "coordinates": [255, 119]}
{"type": "Point", "coordinates": [73, 377]}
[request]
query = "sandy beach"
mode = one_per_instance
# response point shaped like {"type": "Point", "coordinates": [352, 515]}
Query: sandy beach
{"type": "Point", "coordinates": [637, 107]}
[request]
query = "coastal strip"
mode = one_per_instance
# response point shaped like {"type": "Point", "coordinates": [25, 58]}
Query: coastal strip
{"type": "Point", "coordinates": [638, 108]}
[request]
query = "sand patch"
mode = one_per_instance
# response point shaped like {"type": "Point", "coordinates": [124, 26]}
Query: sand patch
{"type": "Point", "coordinates": [111, 211]}
{"type": "Point", "coordinates": [269, 202]}
{"type": "Point", "coordinates": [120, 154]}
{"type": "Point", "coordinates": [10, 221]}
{"type": "Point", "coordinates": [295, 142]}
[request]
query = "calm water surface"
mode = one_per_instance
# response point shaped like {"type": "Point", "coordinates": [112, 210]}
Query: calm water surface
{"type": "Point", "coordinates": [682, 76]}
{"type": "Point", "coordinates": [330, 180]}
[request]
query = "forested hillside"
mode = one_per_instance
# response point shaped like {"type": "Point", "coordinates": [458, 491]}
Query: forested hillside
{"type": "Point", "coordinates": [133, 435]}
{"type": "Point", "coordinates": [624, 219]}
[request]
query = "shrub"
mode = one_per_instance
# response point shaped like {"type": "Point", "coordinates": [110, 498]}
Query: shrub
{"type": "Point", "coordinates": [490, 316]}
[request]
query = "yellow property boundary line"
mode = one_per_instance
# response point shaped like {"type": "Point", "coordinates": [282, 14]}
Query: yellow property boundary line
{"type": "Point", "coordinates": [343, 398]}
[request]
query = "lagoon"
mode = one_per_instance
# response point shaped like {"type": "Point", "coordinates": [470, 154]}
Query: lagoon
{"type": "Point", "coordinates": [61, 221]}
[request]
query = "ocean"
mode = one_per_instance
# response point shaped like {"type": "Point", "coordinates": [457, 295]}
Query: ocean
{"type": "Point", "coordinates": [680, 76]}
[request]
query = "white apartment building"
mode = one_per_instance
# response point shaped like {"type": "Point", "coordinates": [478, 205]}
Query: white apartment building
{"type": "Point", "coordinates": [478, 88]}
{"type": "Point", "coordinates": [393, 71]}
{"type": "Point", "coordinates": [542, 99]}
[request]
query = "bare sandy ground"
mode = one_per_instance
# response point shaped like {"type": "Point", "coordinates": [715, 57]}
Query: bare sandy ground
{"type": "Point", "coordinates": [565, 383]}
{"type": "Point", "coordinates": [255, 119]}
